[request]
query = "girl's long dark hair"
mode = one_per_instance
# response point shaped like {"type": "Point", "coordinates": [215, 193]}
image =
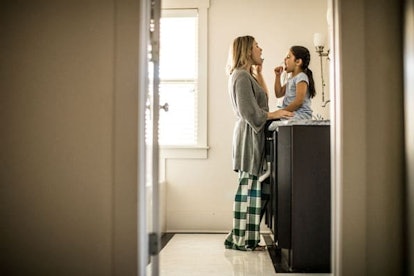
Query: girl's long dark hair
{"type": "Point", "coordinates": [303, 53]}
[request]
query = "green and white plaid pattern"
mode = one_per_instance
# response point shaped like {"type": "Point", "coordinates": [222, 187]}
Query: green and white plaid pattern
{"type": "Point", "coordinates": [246, 222]}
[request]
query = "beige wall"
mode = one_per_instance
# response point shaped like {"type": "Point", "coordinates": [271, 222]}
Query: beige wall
{"type": "Point", "coordinates": [68, 146]}
{"type": "Point", "coordinates": [369, 148]}
{"type": "Point", "coordinates": [409, 126]}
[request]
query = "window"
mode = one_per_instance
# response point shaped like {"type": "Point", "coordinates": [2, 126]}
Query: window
{"type": "Point", "coordinates": [179, 77]}
{"type": "Point", "coordinates": [183, 79]}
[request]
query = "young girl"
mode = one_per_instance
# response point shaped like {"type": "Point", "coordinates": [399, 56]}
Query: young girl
{"type": "Point", "coordinates": [300, 87]}
{"type": "Point", "coordinates": [249, 100]}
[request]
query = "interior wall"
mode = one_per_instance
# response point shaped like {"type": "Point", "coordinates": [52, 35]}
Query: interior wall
{"type": "Point", "coordinates": [385, 137]}
{"type": "Point", "coordinates": [370, 240]}
{"type": "Point", "coordinates": [200, 192]}
{"type": "Point", "coordinates": [68, 112]}
{"type": "Point", "coordinates": [409, 128]}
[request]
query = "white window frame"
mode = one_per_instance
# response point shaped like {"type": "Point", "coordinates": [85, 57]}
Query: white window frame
{"type": "Point", "coordinates": [198, 151]}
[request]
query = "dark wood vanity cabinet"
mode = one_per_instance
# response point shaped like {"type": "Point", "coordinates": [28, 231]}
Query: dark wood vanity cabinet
{"type": "Point", "coordinates": [301, 196]}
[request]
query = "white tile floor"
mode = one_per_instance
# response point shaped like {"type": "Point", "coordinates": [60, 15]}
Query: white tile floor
{"type": "Point", "coordinates": [204, 254]}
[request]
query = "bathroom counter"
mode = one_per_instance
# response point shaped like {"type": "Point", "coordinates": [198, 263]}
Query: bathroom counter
{"type": "Point", "coordinates": [275, 124]}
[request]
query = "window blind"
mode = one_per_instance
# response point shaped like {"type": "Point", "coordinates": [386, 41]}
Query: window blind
{"type": "Point", "coordinates": [178, 77]}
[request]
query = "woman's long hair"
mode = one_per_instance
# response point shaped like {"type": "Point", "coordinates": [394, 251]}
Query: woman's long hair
{"type": "Point", "coordinates": [303, 53]}
{"type": "Point", "coordinates": [239, 53]}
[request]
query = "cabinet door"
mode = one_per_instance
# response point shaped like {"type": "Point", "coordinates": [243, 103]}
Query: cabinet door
{"type": "Point", "coordinates": [311, 201]}
{"type": "Point", "coordinates": [303, 213]}
{"type": "Point", "coordinates": [284, 185]}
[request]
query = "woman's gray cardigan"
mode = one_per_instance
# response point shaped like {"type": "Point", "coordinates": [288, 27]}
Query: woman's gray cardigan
{"type": "Point", "coordinates": [250, 105]}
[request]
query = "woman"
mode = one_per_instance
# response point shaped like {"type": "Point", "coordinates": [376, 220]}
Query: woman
{"type": "Point", "coordinates": [249, 98]}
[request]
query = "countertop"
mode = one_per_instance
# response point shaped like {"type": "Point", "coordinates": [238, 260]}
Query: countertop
{"type": "Point", "coordinates": [275, 124]}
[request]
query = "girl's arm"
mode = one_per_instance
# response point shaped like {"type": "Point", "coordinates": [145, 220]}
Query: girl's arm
{"type": "Point", "coordinates": [301, 88]}
{"type": "Point", "coordinates": [279, 89]}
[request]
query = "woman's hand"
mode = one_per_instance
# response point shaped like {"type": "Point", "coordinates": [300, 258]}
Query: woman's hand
{"type": "Point", "coordinates": [256, 69]}
{"type": "Point", "coordinates": [281, 113]}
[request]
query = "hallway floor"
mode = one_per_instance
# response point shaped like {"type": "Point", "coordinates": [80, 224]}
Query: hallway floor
{"type": "Point", "coordinates": [204, 254]}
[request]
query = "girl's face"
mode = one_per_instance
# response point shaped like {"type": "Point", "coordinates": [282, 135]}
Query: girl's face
{"type": "Point", "coordinates": [291, 63]}
{"type": "Point", "coordinates": [256, 54]}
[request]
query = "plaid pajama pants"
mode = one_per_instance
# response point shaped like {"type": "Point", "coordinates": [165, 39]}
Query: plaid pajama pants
{"type": "Point", "coordinates": [246, 221]}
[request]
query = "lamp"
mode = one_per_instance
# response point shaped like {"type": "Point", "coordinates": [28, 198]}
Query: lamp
{"type": "Point", "coordinates": [319, 42]}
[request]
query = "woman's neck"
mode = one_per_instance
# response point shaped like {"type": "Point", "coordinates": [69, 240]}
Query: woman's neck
{"type": "Point", "coordinates": [247, 67]}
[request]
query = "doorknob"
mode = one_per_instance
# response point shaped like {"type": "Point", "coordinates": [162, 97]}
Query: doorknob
{"type": "Point", "coordinates": [165, 107]}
